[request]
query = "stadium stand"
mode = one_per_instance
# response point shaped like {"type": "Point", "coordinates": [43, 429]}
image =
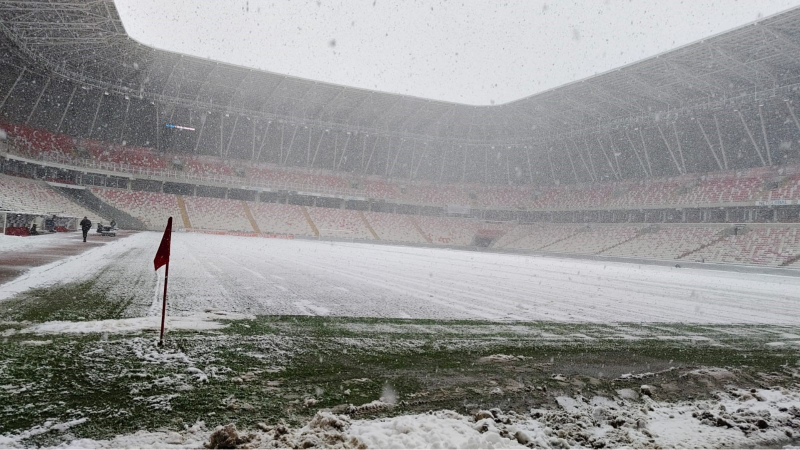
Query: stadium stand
{"type": "Point", "coordinates": [595, 239]}
{"type": "Point", "coordinates": [31, 196]}
{"type": "Point", "coordinates": [768, 246]}
{"type": "Point", "coordinates": [395, 228]}
{"type": "Point", "coordinates": [766, 183]}
{"type": "Point", "coordinates": [538, 236]}
{"type": "Point", "coordinates": [447, 230]}
{"type": "Point", "coordinates": [280, 219]}
{"type": "Point", "coordinates": [152, 208]}
{"type": "Point", "coordinates": [207, 213]}
{"type": "Point", "coordinates": [339, 223]}
{"type": "Point", "coordinates": [670, 242]}
{"type": "Point", "coordinates": [380, 189]}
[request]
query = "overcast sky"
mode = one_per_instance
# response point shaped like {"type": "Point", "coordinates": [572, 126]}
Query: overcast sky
{"type": "Point", "coordinates": [469, 51]}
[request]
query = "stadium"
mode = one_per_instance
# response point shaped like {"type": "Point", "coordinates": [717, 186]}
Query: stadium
{"type": "Point", "coordinates": [342, 256]}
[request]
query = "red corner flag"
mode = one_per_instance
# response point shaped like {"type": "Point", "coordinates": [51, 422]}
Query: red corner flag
{"type": "Point", "coordinates": [162, 258]}
{"type": "Point", "coordinates": [162, 255]}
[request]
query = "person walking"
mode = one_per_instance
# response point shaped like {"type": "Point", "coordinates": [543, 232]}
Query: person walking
{"type": "Point", "coordinates": [86, 225]}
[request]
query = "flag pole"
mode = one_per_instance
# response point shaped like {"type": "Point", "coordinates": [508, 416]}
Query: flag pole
{"type": "Point", "coordinates": [162, 259]}
{"type": "Point", "coordinates": [164, 306]}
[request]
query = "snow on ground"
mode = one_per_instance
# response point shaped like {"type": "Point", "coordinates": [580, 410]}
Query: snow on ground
{"type": "Point", "coordinates": [271, 276]}
{"type": "Point", "coordinates": [23, 244]}
{"type": "Point", "coordinates": [196, 322]}
{"type": "Point", "coordinates": [73, 268]}
{"type": "Point", "coordinates": [765, 417]}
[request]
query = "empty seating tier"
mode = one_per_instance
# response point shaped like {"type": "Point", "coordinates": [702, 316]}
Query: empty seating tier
{"type": "Point", "coordinates": [31, 196]}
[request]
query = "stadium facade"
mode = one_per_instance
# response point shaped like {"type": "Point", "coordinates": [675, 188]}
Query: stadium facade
{"type": "Point", "coordinates": [729, 102]}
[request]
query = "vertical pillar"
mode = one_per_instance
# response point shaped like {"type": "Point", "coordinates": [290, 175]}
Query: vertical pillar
{"type": "Point", "coordinates": [764, 132]}
{"type": "Point", "coordinates": [96, 111]}
{"type": "Point", "coordinates": [63, 116]}
{"type": "Point", "coordinates": [8, 94]}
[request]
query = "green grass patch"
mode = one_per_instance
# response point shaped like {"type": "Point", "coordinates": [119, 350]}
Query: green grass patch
{"type": "Point", "coordinates": [77, 301]}
{"type": "Point", "coordinates": [265, 369]}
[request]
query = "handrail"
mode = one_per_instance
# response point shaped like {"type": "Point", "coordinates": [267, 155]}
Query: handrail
{"type": "Point", "coordinates": [240, 182]}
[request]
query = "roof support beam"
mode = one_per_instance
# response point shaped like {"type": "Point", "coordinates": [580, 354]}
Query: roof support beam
{"type": "Point", "coordinates": [8, 94]}
{"type": "Point", "coordinates": [263, 140]}
{"type": "Point", "coordinates": [680, 147]}
{"type": "Point", "coordinates": [571, 163]}
{"type": "Point", "coordinates": [444, 160]}
{"type": "Point", "coordinates": [124, 121]}
{"type": "Point", "coordinates": [550, 162]}
{"type": "Point", "coordinates": [710, 147]}
{"type": "Point", "coordinates": [291, 144]}
{"type": "Point", "coordinates": [344, 151]}
{"type": "Point", "coordinates": [96, 111]}
{"type": "Point", "coordinates": [591, 161]}
{"type": "Point", "coordinates": [316, 151]}
{"type": "Point", "coordinates": [764, 133]}
{"type": "Point", "coordinates": [608, 160]}
{"type": "Point", "coordinates": [669, 148]}
{"type": "Point", "coordinates": [464, 166]}
{"type": "Point", "coordinates": [200, 134]}
{"type": "Point", "coordinates": [794, 116]}
{"type": "Point", "coordinates": [646, 153]}
{"type": "Point", "coordinates": [636, 152]}
{"type": "Point", "coordinates": [592, 175]}
{"type": "Point", "coordinates": [530, 168]}
{"type": "Point", "coordinates": [396, 155]}
{"type": "Point", "coordinates": [752, 140]}
{"type": "Point", "coordinates": [616, 152]}
{"type": "Point", "coordinates": [308, 147]}
{"type": "Point", "coordinates": [419, 161]}
{"type": "Point", "coordinates": [369, 160]}
{"type": "Point", "coordinates": [721, 144]}
{"type": "Point", "coordinates": [66, 109]}
{"type": "Point", "coordinates": [38, 99]}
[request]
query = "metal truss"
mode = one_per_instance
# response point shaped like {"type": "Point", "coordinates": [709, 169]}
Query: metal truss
{"type": "Point", "coordinates": [85, 41]}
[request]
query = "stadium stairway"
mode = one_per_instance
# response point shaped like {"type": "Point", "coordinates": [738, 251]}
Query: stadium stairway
{"type": "Point", "coordinates": [561, 240]}
{"type": "Point", "coordinates": [184, 214]}
{"type": "Point", "coordinates": [88, 200]}
{"type": "Point", "coordinates": [310, 222]}
{"type": "Point", "coordinates": [790, 261]}
{"type": "Point", "coordinates": [640, 233]}
{"type": "Point", "coordinates": [369, 227]}
{"type": "Point", "coordinates": [250, 218]}
{"type": "Point", "coordinates": [421, 232]}
{"type": "Point", "coordinates": [722, 235]}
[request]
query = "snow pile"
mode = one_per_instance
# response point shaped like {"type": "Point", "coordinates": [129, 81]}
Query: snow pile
{"type": "Point", "coordinates": [22, 244]}
{"type": "Point", "coordinates": [441, 429]}
{"type": "Point", "coordinates": [200, 321]}
{"type": "Point", "coordinates": [736, 418]}
{"type": "Point", "coordinates": [500, 358]}
{"type": "Point", "coordinates": [13, 440]}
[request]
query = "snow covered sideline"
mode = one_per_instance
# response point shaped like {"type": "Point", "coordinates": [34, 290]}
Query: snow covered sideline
{"type": "Point", "coordinates": [272, 276]}
{"type": "Point", "coordinates": [74, 268]}
{"type": "Point", "coordinates": [208, 320]}
{"type": "Point", "coordinates": [737, 418]}
{"type": "Point", "coordinates": [22, 244]}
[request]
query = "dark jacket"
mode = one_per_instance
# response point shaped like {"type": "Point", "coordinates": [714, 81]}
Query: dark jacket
{"type": "Point", "coordinates": [86, 224]}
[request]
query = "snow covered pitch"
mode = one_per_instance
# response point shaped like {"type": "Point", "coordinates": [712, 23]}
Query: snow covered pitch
{"type": "Point", "coordinates": [296, 277]}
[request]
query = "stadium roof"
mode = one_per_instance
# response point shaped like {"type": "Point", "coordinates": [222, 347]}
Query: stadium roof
{"type": "Point", "coordinates": [85, 41]}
